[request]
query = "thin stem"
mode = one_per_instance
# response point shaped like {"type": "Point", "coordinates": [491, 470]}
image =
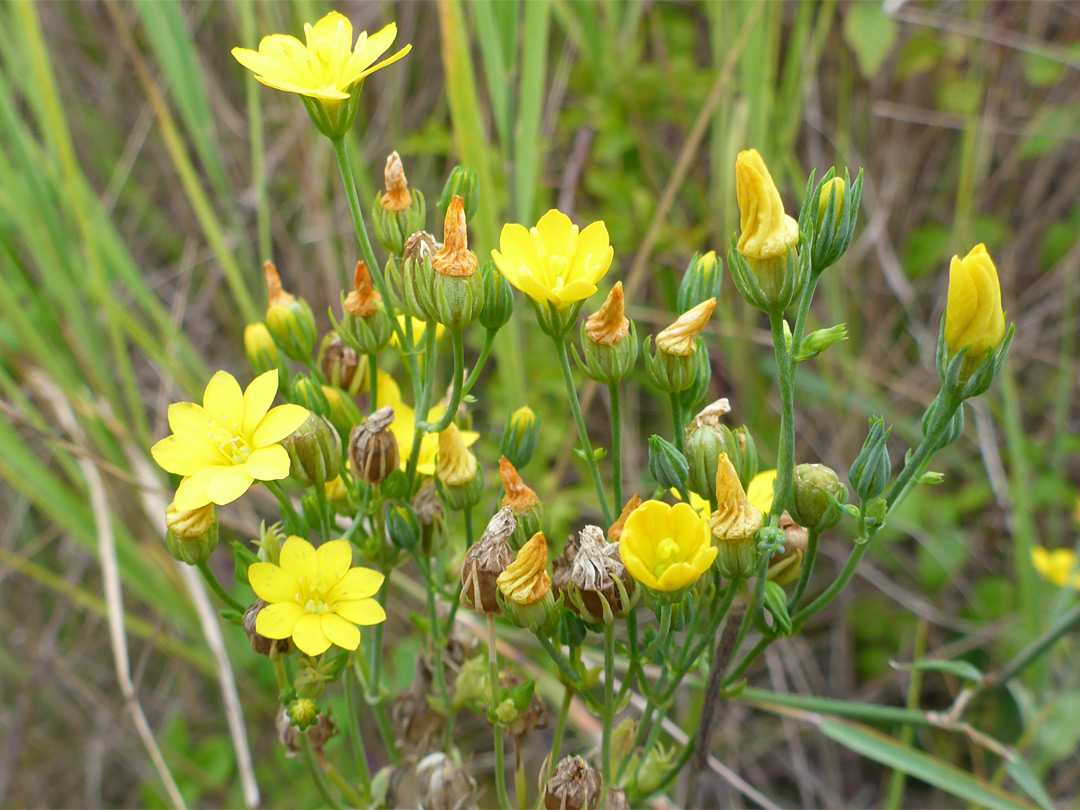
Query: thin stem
{"type": "Point", "coordinates": [485, 350]}
{"type": "Point", "coordinates": [800, 618]}
{"type": "Point", "coordinates": [382, 719]}
{"type": "Point", "coordinates": [345, 166]}
{"type": "Point", "coordinates": [347, 790]}
{"type": "Point", "coordinates": [747, 660]}
{"type": "Point", "coordinates": [785, 454]}
{"type": "Point", "coordinates": [1044, 642]}
{"type": "Point", "coordinates": [616, 445]}
{"type": "Point", "coordinates": [609, 700]}
{"type": "Point", "coordinates": [324, 511]}
{"type": "Point", "coordinates": [436, 636]}
{"type": "Point", "coordinates": [457, 387]}
{"type": "Point", "coordinates": [560, 727]}
{"type": "Point", "coordinates": [353, 725]}
{"type": "Point", "coordinates": [807, 569]}
{"type": "Point", "coordinates": [926, 448]}
{"type": "Point", "coordinates": [493, 673]}
{"type": "Point", "coordinates": [557, 657]}
{"type": "Point", "coordinates": [894, 796]}
{"type": "Point", "coordinates": [292, 519]}
{"type": "Point", "coordinates": [583, 433]}
{"type": "Point", "coordinates": [677, 421]}
{"type": "Point", "coordinates": [317, 774]}
{"type": "Point", "coordinates": [422, 400]}
{"type": "Point", "coordinates": [804, 312]}
{"type": "Point", "coordinates": [215, 586]}
{"type": "Point", "coordinates": [373, 382]}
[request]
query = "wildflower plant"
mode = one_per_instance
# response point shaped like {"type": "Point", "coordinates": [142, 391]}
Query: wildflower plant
{"type": "Point", "coordinates": [371, 481]}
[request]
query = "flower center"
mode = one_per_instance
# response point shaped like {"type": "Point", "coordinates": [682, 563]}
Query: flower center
{"type": "Point", "coordinates": [312, 595]}
{"type": "Point", "coordinates": [666, 551]}
{"type": "Point", "coordinates": [227, 437]}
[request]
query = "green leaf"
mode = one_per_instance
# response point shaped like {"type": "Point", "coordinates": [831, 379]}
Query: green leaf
{"type": "Point", "coordinates": [887, 751]}
{"type": "Point", "coordinates": [1021, 773]}
{"type": "Point", "coordinates": [522, 695]}
{"type": "Point", "coordinates": [959, 668]}
{"type": "Point", "coordinates": [870, 33]}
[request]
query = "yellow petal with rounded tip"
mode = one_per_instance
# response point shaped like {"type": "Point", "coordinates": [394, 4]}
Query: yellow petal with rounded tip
{"type": "Point", "coordinates": [223, 399]}
{"type": "Point", "coordinates": [192, 492]}
{"type": "Point", "coordinates": [278, 620]}
{"type": "Point", "coordinates": [340, 632]}
{"type": "Point", "coordinates": [272, 583]}
{"type": "Point", "coordinates": [270, 463]}
{"type": "Point", "coordinates": [298, 559]}
{"type": "Point", "coordinates": [334, 559]}
{"type": "Point", "coordinates": [557, 233]}
{"type": "Point", "coordinates": [258, 398]}
{"type": "Point", "coordinates": [364, 612]}
{"type": "Point", "coordinates": [678, 575]}
{"type": "Point", "coordinates": [187, 418]}
{"type": "Point", "coordinates": [183, 457]}
{"type": "Point", "coordinates": [308, 635]}
{"type": "Point", "coordinates": [356, 583]}
{"type": "Point", "coordinates": [278, 423]}
{"type": "Point", "coordinates": [760, 491]}
{"type": "Point", "coordinates": [228, 485]}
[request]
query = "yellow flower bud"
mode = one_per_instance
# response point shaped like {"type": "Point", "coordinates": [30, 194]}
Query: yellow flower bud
{"type": "Point", "coordinates": [525, 581]}
{"type": "Point", "coordinates": [1058, 566]}
{"type": "Point", "coordinates": [192, 523]}
{"type": "Point", "coordinates": [456, 466]}
{"type": "Point", "coordinates": [836, 187]}
{"type": "Point", "coordinates": [397, 196]}
{"type": "Point", "coordinates": [973, 316]}
{"type": "Point", "coordinates": [735, 518]}
{"type": "Point", "coordinates": [678, 339]}
{"type": "Point", "coordinates": [455, 258]}
{"type": "Point", "coordinates": [364, 299]}
{"type": "Point", "coordinates": [608, 325]}
{"type": "Point", "coordinates": [766, 231]}
{"type": "Point", "coordinates": [260, 348]}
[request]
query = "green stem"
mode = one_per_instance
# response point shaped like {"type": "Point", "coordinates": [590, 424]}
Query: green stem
{"type": "Point", "coordinates": [560, 727]}
{"type": "Point", "coordinates": [345, 166]}
{"type": "Point", "coordinates": [804, 312]}
{"type": "Point", "coordinates": [317, 774]}
{"type": "Point", "coordinates": [926, 448]}
{"type": "Point", "coordinates": [347, 790]}
{"type": "Point", "coordinates": [677, 421]}
{"type": "Point", "coordinates": [493, 673]}
{"type": "Point", "coordinates": [292, 519]}
{"type": "Point", "coordinates": [616, 446]}
{"type": "Point", "coordinates": [485, 350]}
{"type": "Point", "coordinates": [353, 724]}
{"type": "Point", "coordinates": [785, 454]}
{"type": "Point", "coordinates": [609, 701]}
{"type": "Point", "coordinates": [1040, 645]}
{"type": "Point", "coordinates": [423, 400]}
{"type": "Point", "coordinates": [583, 433]}
{"type": "Point", "coordinates": [457, 388]}
{"type": "Point", "coordinates": [894, 796]}
{"type": "Point", "coordinates": [560, 662]}
{"type": "Point", "coordinates": [373, 382]}
{"type": "Point", "coordinates": [324, 512]}
{"type": "Point", "coordinates": [382, 719]}
{"type": "Point", "coordinates": [215, 586]}
{"type": "Point", "coordinates": [436, 637]}
{"type": "Point", "coordinates": [807, 569]}
{"type": "Point", "coordinates": [747, 660]}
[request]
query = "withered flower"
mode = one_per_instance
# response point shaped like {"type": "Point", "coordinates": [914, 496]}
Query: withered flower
{"type": "Point", "coordinates": [678, 339]}
{"type": "Point", "coordinates": [485, 560]}
{"type": "Point", "coordinates": [419, 245]}
{"type": "Point", "coordinates": [525, 581]}
{"type": "Point", "coordinates": [456, 465]}
{"type": "Point", "coordinates": [397, 196]}
{"type": "Point", "coordinates": [443, 784]}
{"type": "Point", "coordinates": [608, 325]}
{"type": "Point", "coordinates": [711, 415]}
{"type": "Point", "coordinates": [373, 448]}
{"type": "Point", "coordinates": [615, 532]}
{"type": "Point", "coordinates": [261, 644]}
{"type": "Point", "coordinates": [364, 299]}
{"type": "Point", "coordinates": [575, 785]}
{"type": "Point", "coordinates": [596, 574]}
{"type": "Point", "coordinates": [735, 518]}
{"type": "Point", "coordinates": [455, 258]}
{"type": "Point", "coordinates": [519, 496]}
{"type": "Point", "coordinates": [275, 294]}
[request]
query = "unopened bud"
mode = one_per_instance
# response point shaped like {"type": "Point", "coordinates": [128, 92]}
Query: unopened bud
{"type": "Point", "coordinates": [314, 452]}
{"type": "Point", "coordinates": [308, 393]}
{"type": "Point", "coordinates": [460, 477]}
{"type": "Point", "coordinates": [818, 492]}
{"type": "Point", "coordinates": [574, 786]}
{"type": "Point", "coordinates": [373, 448]}
{"type": "Point", "coordinates": [701, 281]}
{"type": "Point", "coordinates": [262, 352]}
{"type": "Point", "coordinates": [498, 298]}
{"type": "Point", "coordinates": [872, 468]}
{"type": "Point", "coordinates": [341, 410]}
{"type": "Point", "coordinates": [192, 535]}
{"type": "Point", "coordinates": [485, 560]}
{"type": "Point", "coordinates": [303, 712]}
{"type": "Point", "coordinates": [818, 341]}
{"type": "Point", "coordinates": [678, 339]}
{"type": "Point", "coordinates": [668, 466]}
{"type": "Point", "coordinates": [289, 319]}
{"type": "Point", "coordinates": [520, 436]}
{"type": "Point", "coordinates": [463, 182]}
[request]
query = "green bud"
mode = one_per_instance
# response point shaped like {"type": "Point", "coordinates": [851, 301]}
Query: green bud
{"type": "Point", "coordinates": [402, 527]}
{"type": "Point", "coordinates": [776, 604]}
{"type": "Point", "coordinates": [262, 353]}
{"type": "Point", "coordinates": [875, 512]}
{"type": "Point", "coordinates": [872, 468]}
{"type": "Point", "coordinates": [818, 341]}
{"type": "Point", "coordinates": [701, 281]}
{"type": "Point", "coordinates": [535, 616]}
{"type": "Point", "coordinates": [506, 712]}
{"type": "Point", "coordinates": [341, 411]}
{"type": "Point", "coordinates": [622, 739]}
{"type": "Point", "coordinates": [736, 559]}
{"type": "Point", "coordinates": [834, 204]}
{"type": "Point", "coordinates": [818, 493]}
{"type": "Point", "coordinates": [671, 373]}
{"type": "Point", "coordinates": [303, 713]}
{"type": "Point", "coordinates": [667, 465]}
{"type": "Point", "coordinates": [772, 285]}
{"type": "Point", "coordinates": [498, 298]}
{"type": "Point", "coordinates": [192, 535]}
{"type": "Point", "coordinates": [653, 769]}
{"type": "Point", "coordinates": [456, 301]}
{"type": "Point", "coordinates": [690, 397]}
{"type": "Point", "coordinates": [462, 496]}
{"type": "Point", "coordinates": [293, 328]}
{"type": "Point", "coordinates": [314, 452]}
{"type": "Point", "coordinates": [463, 182]}
{"type": "Point", "coordinates": [307, 392]}
{"type": "Point", "coordinates": [931, 478]}
{"type": "Point", "coordinates": [520, 436]}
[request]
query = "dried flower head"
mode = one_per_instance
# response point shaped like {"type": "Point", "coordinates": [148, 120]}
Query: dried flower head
{"type": "Point", "coordinates": [519, 496]}
{"type": "Point", "coordinates": [596, 570]}
{"type": "Point", "coordinates": [485, 560]}
{"type": "Point", "coordinates": [678, 338]}
{"type": "Point", "coordinates": [260, 644]}
{"type": "Point", "coordinates": [525, 581]}
{"type": "Point", "coordinates": [563, 565]}
{"type": "Point", "coordinates": [364, 299]}
{"type": "Point", "coordinates": [735, 518]}
{"type": "Point", "coordinates": [789, 561]}
{"type": "Point", "coordinates": [455, 258]}
{"type": "Point", "coordinates": [373, 448]}
{"type": "Point", "coordinates": [575, 785]}
{"type": "Point", "coordinates": [443, 784]}
{"type": "Point", "coordinates": [397, 196]}
{"type": "Point", "coordinates": [419, 245]}
{"type": "Point", "coordinates": [615, 532]}
{"type": "Point", "coordinates": [426, 504]}
{"type": "Point", "coordinates": [317, 735]}
{"type": "Point", "coordinates": [608, 325]}
{"type": "Point", "coordinates": [456, 465]}
{"type": "Point", "coordinates": [275, 293]}
{"type": "Point", "coordinates": [711, 415]}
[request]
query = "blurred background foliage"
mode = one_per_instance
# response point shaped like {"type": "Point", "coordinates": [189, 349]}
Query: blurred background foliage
{"type": "Point", "coordinates": [146, 176]}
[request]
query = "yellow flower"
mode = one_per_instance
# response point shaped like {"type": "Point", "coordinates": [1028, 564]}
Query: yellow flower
{"type": "Point", "coordinates": [525, 581]}
{"type": "Point", "coordinates": [315, 596]}
{"type": "Point", "coordinates": [230, 441]}
{"type": "Point", "coordinates": [456, 465]}
{"type": "Point", "coordinates": [1058, 566]}
{"type": "Point", "coordinates": [766, 231]}
{"type": "Point", "coordinates": [973, 316]}
{"type": "Point", "coordinates": [699, 504]}
{"type": "Point", "coordinates": [404, 426]}
{"type": "Point", "coordinates": [328, 66]}
{"type": "Point", "coordinates": [666, 547]}
{"type": "Point", "coordinates": [552, 261]}
{"type": "Point", "coordinates": [678, 338]}
{"type": "Point", "coordinates": [760, 491]}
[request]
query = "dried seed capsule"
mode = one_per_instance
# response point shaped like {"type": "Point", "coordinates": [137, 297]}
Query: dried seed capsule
{"type": "Point", "coordinates": [261, 644]}
{"type": "Point", "coordinates": [485, 560]}
{"type": "Point", "coordinates": [601, 587]}
{"type": "Point", "coordinates": [574, 786]}
{"type": "Point", "coordinates": [373, 448]}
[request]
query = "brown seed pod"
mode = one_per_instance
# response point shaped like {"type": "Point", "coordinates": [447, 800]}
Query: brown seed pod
{"type": "Point", "coordinates": [373, 449]}
{"type": "Point", "coordinates": [485, 560]}
{"type": "Point", "coordinates": [575, 785]}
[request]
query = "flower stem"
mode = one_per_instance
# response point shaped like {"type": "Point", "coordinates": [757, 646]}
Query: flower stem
{"type": "Point", "coordinates": [422, 400]}
{"type": "Point", "coordinates": [353, 723]}
{"type": "Point", "coordinates": [785, 454]}
{"type": "Point", "coordinates": [215, 586]}
{"type": "Point", "coordinates": [345, 166]}
{"type": "Point", "coordinates": [493, 673]}
{"type": "Point", "coordinates": [807, 569]}
{"type": "Point", "coordinates": [804, 312]}
{"type": "Point", "coordinates": [583, 433]}
{"type": "Point", "coordinates": [485, 350]}
{"type": "Point", "coordinates": [457, 390]}
{"type": "Point", "coordinates": [677, 421]}
{"type": "Point", "coordinates": [616, 446]}
{"type": "Point", "coordinates": [560, 727]}
{"type": "Point", "coordinates": [292, 520]}
{"type": "Point", "coordinates": [373, 382]}
{"type": "Point", "coordinates": [609, 701]}
{"type": "Point", "coordinates": [317, 774]}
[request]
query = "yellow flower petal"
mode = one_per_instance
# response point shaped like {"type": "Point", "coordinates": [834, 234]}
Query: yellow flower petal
{"type": "Point", "coordinates": [298, 559]}
{"type": "Point", "coordinates": [557, 233]}
{"type": "Point", "coordinates": [228, 485]}
{"type": "Point", "coordinates": [760, 491]}
{"type": "Point", "coordinates": [594, 253]}
{"type": "Point", "coordinates": [187, 417]}
{"type": "Point", "coordinates": [279, 619]}
{"type": "Point", "coordinates": [309, 636]}
{"type": "Point", "coordinates": [334, 559]}
{"type": "Point", "coordinates": [364, 612]}
{"type": "Point", "coordinates": [280, 422]}
{"type": "Point", "coordinates": [192, 492]}
{"type": "Point", "coordinates": [270, 463]}
{"type": "Point", "coordinates": [272, 583]}
{"type": "Point", "coordinates": [676, 576]}
{"type": "Point", "coordinates": [184, 457]}
{"type": "Point", "coordinates": [340, 632]}
{"type": "Point", "coordinates": [258, 398]}
{"type": "Point", "coordinates": [223, 399]}
{"type": "Point", "coordinates": [357, 583]}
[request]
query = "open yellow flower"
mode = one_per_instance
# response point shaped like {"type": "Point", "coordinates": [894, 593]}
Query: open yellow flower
{"type": "Point", "coordinates": [553, 261]}
{"type": "Point", "coordinates": [404, 426]}
{"type": "Point", "coordinates": [666, 547]}
{"type": "Point", "coordinates": [973, 316]}
{"type": "Point", "coordinates": [760, 491]}
{"type": "Point", "coordinates": [315, 597]}
{"type": "Point", "coordinates": [327, 66]}
{"type": "Point", "coordinates": [766, 232]}
{"type": "Point", "coordinates": [228, 442]}
{"type": "Point", "coordinates": [1058, 566]}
